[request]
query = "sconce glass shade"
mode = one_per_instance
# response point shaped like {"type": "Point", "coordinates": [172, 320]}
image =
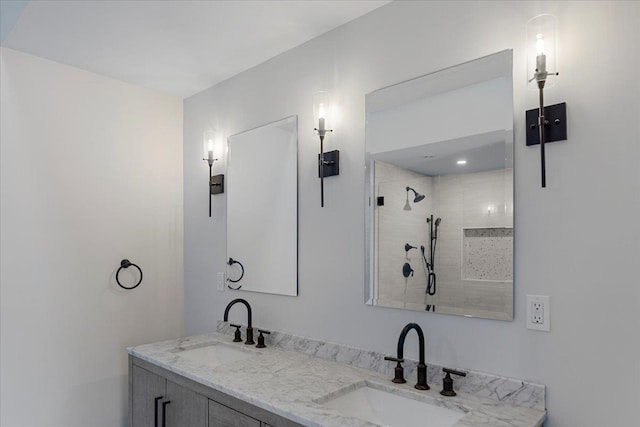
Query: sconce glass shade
{"type": "Point", "coordinates": [212, 145]}
{"type": "Point", "coordinates": [322, 112]}
{"type": "Point", "coordinates": [542, 50]}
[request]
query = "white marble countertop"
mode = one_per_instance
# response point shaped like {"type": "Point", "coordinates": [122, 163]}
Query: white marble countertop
{"type": "Point", "coordinates": [291, 384]}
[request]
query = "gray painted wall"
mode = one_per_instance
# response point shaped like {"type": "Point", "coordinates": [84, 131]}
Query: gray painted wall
{"type": "Point", "coordinates": [577, 240]}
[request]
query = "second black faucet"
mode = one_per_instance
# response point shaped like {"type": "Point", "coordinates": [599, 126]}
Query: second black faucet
{"type": "Point", "coordinates": [422, 368]}
{"type": "Point", "coordinates": [249, 340]}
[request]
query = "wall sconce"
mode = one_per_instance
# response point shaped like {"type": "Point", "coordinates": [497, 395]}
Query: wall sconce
{"type": "Point", "coordinates": [328, 163]}
{"type": "Point", "coordinates": [544, 124]}
{"type": "Point", "coordinates": [212, 145]}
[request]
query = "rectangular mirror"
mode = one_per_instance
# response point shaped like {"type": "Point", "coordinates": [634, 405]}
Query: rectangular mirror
{"type": "Point", "coordinates": [439, 153]}
{"type": "Point", "coordinates": [262, 209]}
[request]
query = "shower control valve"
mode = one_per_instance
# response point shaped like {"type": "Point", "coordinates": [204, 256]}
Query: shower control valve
{"type": "Point", "coordinates": [407, 270]}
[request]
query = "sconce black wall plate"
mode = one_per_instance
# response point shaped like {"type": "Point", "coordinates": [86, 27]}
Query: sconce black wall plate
{"type": "Point", "coordinates": [216, 182]}
{"type": "Point", "coordinates": [331, 163]}
{"type": "Point", "coordinates": [556, 128]}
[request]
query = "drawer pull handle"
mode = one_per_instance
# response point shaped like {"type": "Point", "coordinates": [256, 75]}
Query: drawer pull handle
{"type": "Point", "coordinates": [164, 413]}
{"type": "Point", "coordinates": [155, 410]}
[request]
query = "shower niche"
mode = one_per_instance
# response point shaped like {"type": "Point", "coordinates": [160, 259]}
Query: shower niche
{"type": "Point", "coordinates": [439, 184]}
{"type": "Point", "coordinates": [487, 254]}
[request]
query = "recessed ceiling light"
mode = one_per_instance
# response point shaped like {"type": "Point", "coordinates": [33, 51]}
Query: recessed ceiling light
{"type": "Point", "coordinates": [462, 162]}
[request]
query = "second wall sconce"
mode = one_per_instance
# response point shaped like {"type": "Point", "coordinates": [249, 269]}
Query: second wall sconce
{"type": "Point", "coordinates": [544, 124]}
{"type": "Point", "coordinates": [328, 163]}
{"type": "Point", "coordinates": [212, 144]}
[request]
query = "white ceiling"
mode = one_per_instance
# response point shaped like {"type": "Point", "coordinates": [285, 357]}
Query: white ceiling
{"type": "Point", "coordinates": [483, 152]}
{"type": "Point", "coordinates": [176, 47]}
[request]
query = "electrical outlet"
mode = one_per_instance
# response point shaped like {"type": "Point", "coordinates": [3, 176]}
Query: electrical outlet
{"type": "Point", "coordinates": [220, 282]}
{"type": "Point", "coordinates": [538, 313]}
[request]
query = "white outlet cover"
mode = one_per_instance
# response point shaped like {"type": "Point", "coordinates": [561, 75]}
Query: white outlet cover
{"type": "Point", "coordinates": [538, 321]}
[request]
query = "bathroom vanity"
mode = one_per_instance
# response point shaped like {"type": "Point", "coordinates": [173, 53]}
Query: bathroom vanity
{"type": "Point", "coordinates": [208, 380]}
{"type": "Point", "coordinates": [159, 397]}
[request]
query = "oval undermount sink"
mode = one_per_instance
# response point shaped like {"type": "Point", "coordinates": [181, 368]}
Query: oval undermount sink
{"type": "Point", "coordinates": [374, 405]}
{"type": "Point", "coordinates": [214, 353]}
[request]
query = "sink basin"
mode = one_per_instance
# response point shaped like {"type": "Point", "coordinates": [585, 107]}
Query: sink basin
{"type": "Point", "coordinates": [214, 353]}
{"type": "Point", "coordinates": [388, 409]}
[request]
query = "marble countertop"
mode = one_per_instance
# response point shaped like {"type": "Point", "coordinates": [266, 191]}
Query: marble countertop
{"type": "Point", "coordinates": [294, 385]}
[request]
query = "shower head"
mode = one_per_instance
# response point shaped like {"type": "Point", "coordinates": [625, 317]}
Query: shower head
{"type": "Point", "coordinates": [418, 197]}
{"type": "Point", "coordinates": [438, 221]}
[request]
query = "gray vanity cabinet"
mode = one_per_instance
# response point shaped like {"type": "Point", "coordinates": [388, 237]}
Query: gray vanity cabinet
{"type": "Point", "coordinates": [222, 416]}
{"type": "Point", "coordinates": [158, 402]}
{"type": "Point", "coordinates": [146, 387]}
{"type": "Point", "coordinates": [191, 404]}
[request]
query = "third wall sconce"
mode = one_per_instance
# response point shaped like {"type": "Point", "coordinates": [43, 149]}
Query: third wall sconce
{"type": "Point", "coordinates": [544, 124]}
{"type": "Point", "coordinates": [328, 163]}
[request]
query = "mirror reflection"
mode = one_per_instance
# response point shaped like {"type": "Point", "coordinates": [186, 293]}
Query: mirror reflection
{"type": "Point", "coordinates": [262, 211]}
{"type": "Point", "coordinates": [440, 186]}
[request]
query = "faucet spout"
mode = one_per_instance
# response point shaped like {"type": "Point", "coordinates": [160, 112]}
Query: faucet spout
{"type": "Point", "coordinates": [249, 327]}
{"type": "Point", "coordinates": [403, 336]}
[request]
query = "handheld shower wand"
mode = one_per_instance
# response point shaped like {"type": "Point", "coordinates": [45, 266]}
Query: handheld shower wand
{"type": "Point", "coordinates": [422, 249]}
{"type": "Point", "coordinates": [431, 263]}
{"type": "Point", "coordinates": [431, 276]}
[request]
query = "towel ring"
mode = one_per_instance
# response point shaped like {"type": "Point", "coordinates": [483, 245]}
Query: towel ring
{"type": "Point", "coordinates": [230, 263]}
{"type": "Point", "coordinates": [125, 263]}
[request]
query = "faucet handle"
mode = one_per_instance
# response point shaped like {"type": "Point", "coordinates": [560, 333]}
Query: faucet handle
{"type": "Point", "coordinates": [237, 337]}
{"type": "Point", "coordinates": [399, 370]}
{"type": "Point", "coordinates": [454, 372]}
{"type": "Point", "coordinates": [447, 381]}
{"type": "Point", "coordinates": [261, 338]}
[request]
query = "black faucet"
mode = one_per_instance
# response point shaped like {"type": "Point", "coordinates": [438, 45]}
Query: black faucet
{"type": "Point", "coordinates": [249, 340]}
{"type": "Point", "coordinates": [422, 368]}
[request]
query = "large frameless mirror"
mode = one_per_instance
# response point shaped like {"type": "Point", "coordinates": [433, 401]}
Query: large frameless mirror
{"type": "Point", "coordinates": [262, 211]}
{"type": "Point", "coordinates": [439, 153]}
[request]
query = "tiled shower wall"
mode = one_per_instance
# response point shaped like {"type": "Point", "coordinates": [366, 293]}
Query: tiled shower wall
{"type": "Point", "coordinates": [395, 228]}
{"type": "Point", "coordinates": [480, 202]}
{"type": "Point", "coordinates": [473, 201]}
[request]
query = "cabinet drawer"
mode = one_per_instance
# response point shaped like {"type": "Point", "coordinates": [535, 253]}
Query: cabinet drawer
{"type": "Point", "coordinates": [222, 416]}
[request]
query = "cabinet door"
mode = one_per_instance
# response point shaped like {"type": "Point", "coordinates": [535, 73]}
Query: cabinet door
{"type": "Point", "coordinates": [187, 408]}
{"type": "Point", "coordinates": [222, 416]}
{"type": "Point", "coordinates": [147, 387]}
